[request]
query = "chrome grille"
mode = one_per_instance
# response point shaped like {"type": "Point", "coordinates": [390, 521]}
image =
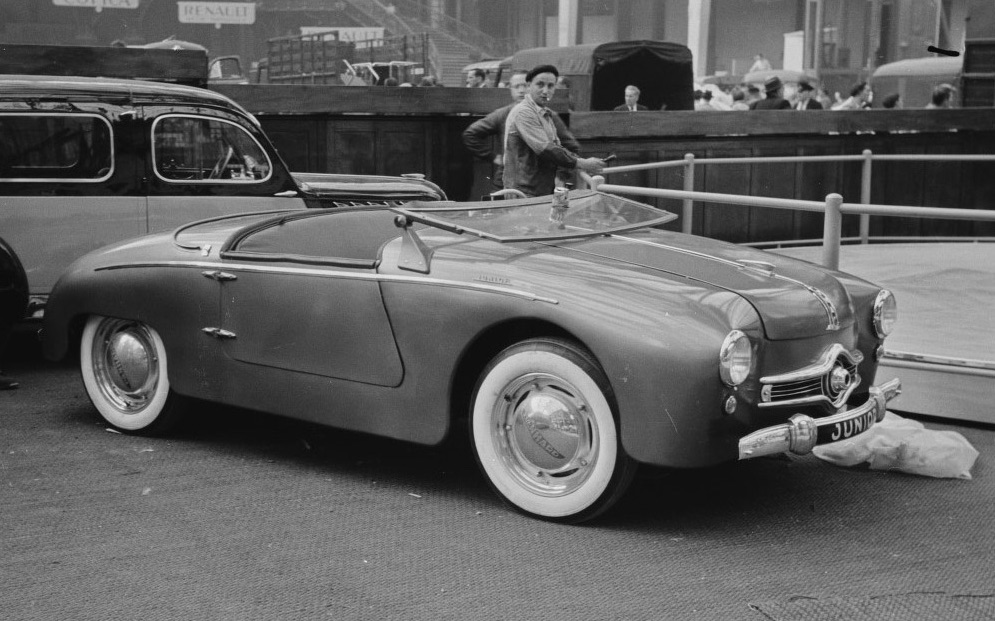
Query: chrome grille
{"type": "Point", "coordinates": [829, 381]}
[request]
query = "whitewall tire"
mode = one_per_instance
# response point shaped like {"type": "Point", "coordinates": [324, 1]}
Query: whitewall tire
{"type": "Point", "coordinates": [545, 434]}
{"type": "Point", "coordinates": [125, 373]}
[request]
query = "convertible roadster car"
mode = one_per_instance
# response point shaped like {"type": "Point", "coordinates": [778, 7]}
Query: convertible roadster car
{"type": "Point", "coordinates": [578, 338]}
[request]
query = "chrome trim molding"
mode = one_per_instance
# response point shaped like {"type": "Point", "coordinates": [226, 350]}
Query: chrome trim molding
{"type": "Point", "coordinates": [818, 369]}
{"type": "Point", "coordinates": [155, 164]}
{"type": "Point", "coordinates": [110, 134]}
{"type": "Point", "coordinates": [320, 273]}
{"type": "Point", "coordinates": [827, 381]}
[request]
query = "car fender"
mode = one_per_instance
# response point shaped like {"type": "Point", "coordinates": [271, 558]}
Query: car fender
{"type": "Point", "coordinates": [659, 349]}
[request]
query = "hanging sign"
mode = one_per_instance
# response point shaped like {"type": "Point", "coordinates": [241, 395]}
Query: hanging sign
{"type": "Point", "coordinates": [217, 13]}
{"type": "Point", "coordinates": [99, 4]}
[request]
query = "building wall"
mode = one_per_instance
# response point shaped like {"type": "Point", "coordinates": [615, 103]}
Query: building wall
{"type": "Point", "coordinates": [741, 29]}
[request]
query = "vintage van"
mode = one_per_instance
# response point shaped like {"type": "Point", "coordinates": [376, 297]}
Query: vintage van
{"type": "Point", "coordinates": [89, 161]}
{"type": "Point", "coordinates": [915, 78]}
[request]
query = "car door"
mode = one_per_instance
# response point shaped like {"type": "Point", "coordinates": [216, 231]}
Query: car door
{"type": "Point", "coordinates": [201, 166]}
{"type": "Point", "coordinates": [304, 295]}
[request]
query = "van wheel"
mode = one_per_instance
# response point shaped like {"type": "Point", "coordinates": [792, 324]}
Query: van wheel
{"type": "Point", "coordinates": [544, 432]}
{"type": "Point", "coordinates": [125, 373]}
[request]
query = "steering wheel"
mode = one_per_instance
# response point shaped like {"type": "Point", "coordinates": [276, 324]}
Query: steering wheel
{"type": "Point", "coordinates": [219, 167]}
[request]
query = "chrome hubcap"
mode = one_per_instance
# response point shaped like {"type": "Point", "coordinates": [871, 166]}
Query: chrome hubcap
{"type": "Point", "coordinates": [125, 364]}
{"type": "Point", "coordinates": [544, 434]}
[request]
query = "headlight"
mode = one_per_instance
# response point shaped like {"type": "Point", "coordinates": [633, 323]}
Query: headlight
{"type": "Point", "coordinates": [735, 358]}
{"type": "Point", "coordinates": [885, 313]}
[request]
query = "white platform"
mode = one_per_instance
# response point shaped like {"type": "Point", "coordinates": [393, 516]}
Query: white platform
{"type": "Point", "coordinates": [943, 348]}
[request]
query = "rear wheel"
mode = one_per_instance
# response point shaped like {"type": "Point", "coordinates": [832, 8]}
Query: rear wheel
{"type": "Point", "coordinates": [124, 369]}
{"type": "Point", "coordinates": [544, 432]}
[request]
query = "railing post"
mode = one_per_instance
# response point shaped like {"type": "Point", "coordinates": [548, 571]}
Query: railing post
{"type": "Point", "coordinates": [688, 187]}
{"type": "Point", "coordinates": [596, 182]}
{"type": "Point", "coordinates": [865, 196]}
{"type": "Point", "coordinates": [832, 231]}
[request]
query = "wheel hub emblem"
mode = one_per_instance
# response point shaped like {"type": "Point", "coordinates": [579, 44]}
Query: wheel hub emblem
{"type": "Point", "coordinates": [541, 440]}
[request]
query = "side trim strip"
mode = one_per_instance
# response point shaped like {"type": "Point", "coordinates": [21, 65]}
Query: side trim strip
{"type": "Point", "coordinates": [324, 273]}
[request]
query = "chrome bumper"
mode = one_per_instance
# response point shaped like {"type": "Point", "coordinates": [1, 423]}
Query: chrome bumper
{"type": "Point", "coordinates": [802, 433]}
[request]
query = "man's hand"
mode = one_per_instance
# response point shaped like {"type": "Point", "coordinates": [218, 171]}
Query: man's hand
{"type": "Point", "coordinates": [590, 165]}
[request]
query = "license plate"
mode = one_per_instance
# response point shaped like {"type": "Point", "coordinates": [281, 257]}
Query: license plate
{"type": "Point", "coordinates": [848, 428]}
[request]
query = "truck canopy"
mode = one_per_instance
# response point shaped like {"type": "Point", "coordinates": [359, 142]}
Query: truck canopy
{"type": "Point", "coordinates": [599, 73]}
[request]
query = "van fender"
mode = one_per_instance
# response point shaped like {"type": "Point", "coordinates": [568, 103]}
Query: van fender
{"type": "Point", "coordinates": [13, 287]}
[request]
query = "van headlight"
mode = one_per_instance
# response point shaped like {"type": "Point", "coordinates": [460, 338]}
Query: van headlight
{"type": "Point", "coordinates": [885, 313]}
{"type": "Point", "coordinates": [735, 358]}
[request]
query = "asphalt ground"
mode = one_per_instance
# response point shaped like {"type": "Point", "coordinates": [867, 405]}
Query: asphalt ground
{"type": "Point", "coordinates": [244, 516]}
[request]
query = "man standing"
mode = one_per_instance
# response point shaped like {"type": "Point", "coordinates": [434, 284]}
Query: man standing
{"type": "Point", "coordinates": [532, 148]}
{"type": "Point", "coordinates": [631, 100]}
{"type": "Point", "coordinates": [476, 78]}
{"type": "Point", "coordinates": [805, 99]}
{"type": "Point", "coordinates": [479, 136]}
{"type": "Point", "coordinates": [775, 96]}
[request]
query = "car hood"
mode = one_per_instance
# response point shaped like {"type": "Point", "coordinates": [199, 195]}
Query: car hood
{"type": "Point", "coordinates": [795, 299]}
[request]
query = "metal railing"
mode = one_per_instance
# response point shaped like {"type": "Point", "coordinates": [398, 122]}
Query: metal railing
{"type": "Point", "coordinates": [833, 208]}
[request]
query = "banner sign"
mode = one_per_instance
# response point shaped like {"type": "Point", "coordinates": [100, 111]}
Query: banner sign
{"type": "Point", "coordinates": [217, 12]}
{"type": "Point", "coordinates": [345, 33]}
{"type": "Point", "coordinates": [98, 4]}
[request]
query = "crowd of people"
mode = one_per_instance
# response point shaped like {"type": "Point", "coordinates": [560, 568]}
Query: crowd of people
{"type": "Point", "coordinates": [806, 96]}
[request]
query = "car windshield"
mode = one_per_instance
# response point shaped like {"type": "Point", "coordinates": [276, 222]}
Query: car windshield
{"type": "Point", "coordinates": [583, 214]}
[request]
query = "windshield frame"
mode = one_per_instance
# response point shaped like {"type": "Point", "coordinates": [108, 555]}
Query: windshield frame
{"type": "Point", "coordinates": [430, 214]}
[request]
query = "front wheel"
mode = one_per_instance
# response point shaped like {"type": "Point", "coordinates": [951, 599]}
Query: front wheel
{"type": "Point", "coordinates": [544, 432]}
{"type": "Point", "coordinates": [124, 370]}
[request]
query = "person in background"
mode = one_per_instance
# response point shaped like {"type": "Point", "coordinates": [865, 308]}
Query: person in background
{"type": "Point", "coordinates": [752, 95]}
{"type": "Point", "coordinates": [822, 96]}
{"type": "Point", "coordinates": [485, 137]}
{"type": "Point", "coordinates": [943, 97]}
{"type": "Point", "coordinates": [775, 96]}
{"type": "Point", "coordinates": [476, 78]}
{"type": "Point", "coordinates": [532, 147]}
{"type": "Point", "coordinates": [860, 98]}
{"type": "Point", "coordinates": [892, 101]}
{"type": "Point", "coordinates": [760, 63]}
{"type": "Point", "coordinates": [739, 99]}
{"type": "Point", "coordinates": [806, 101]}
{"type": "Point", "coordinates": [631, 100]}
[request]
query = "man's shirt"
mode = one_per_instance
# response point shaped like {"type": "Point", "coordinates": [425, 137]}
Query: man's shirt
{"type": "Point", "coordinates": [479, 138]}
{"type": "Point", "coordinates": [532, 149]}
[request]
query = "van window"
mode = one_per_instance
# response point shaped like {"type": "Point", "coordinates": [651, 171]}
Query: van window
{"type": "Point", "coordinates": [55, 147]}
{"type": "Point", "coordinates": [193, 149]}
